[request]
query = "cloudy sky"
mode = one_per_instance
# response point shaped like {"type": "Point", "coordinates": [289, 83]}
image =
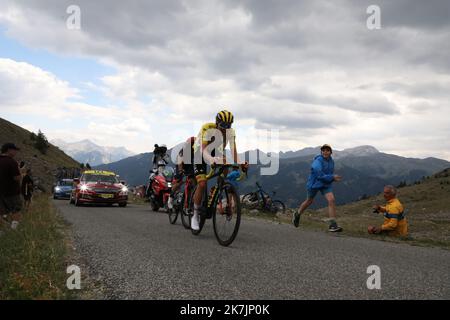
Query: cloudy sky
{"type": "Point", "coordinates": [143, 72]}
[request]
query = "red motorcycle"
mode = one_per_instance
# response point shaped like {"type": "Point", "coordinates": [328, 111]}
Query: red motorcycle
{"type": "Point", "coordinates": [160, 190]}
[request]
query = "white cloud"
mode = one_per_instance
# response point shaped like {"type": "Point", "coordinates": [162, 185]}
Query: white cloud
{"type": "Point", "coordinates": [309, 68]}
{"type": "Point", "coordinates": [26, 88]}
{"type": "Point", "coordinates": [31, 92]}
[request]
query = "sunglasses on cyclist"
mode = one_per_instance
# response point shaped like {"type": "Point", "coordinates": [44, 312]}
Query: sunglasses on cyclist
{"type": "Point", "coordinates": [224, 125]}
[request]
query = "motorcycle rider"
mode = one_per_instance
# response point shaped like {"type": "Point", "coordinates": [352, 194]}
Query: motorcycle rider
{"type": "Point", "coordinates": [222, 130]}
{"type": "Point", "coordinates": [159, 161]}
{"type": "Point", "coordinates": [159, 153]}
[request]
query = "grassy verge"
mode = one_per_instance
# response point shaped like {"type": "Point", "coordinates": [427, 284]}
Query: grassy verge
{"type": "Point", "coordinates": [428, 213]}
{"type": "Point", "coordinates": [33, 258]}
{"type": "Point", "coordinates": [355, 218]}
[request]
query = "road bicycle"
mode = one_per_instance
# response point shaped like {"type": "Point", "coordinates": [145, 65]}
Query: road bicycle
{"type": "Point", "coordinates": [182, 200]}
{"type": "Point", "coordinates": [222, 204]}
{"type": "Point", "coordinates": [261, 200]}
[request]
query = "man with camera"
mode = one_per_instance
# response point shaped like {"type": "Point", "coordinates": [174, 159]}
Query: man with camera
{"type": "Point", "coordinates": [395, 223]}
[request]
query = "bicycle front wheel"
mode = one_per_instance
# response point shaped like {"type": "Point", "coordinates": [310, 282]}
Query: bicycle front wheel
{"type": "Point", "coordinates": [227, 215]}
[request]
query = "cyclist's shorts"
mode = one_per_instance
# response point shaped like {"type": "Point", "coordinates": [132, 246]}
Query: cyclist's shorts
{"type": "Point", "coordinates": [311, 193]}
{"type": "Point", "coordinates": [188, 169]}
{"type": "Point", "coordinates": [200, 172]}
{"type": "Point", "coordinates": [201, 169]}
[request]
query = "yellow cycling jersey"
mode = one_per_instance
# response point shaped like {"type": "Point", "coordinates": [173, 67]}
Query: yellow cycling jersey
{"type": "Point", "coordinates": [206, 136]}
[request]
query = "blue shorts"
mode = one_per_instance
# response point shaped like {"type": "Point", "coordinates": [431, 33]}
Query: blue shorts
{"type": "Point", "coordinates": [311, 193]}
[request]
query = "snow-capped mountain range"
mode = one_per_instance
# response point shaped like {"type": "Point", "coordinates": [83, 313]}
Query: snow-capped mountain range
{"type": "Point", "coordinates": [86, 151]}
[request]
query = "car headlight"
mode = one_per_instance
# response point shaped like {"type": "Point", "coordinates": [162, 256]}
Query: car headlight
{"type": "Point", "coordinates": [169, 184]}
{"type": "Point", "coordinates": [84, 187]}
{"type": "Point", "coordinates": [57, 189]}
{"type": "Point", "coordinates": [124, 189]}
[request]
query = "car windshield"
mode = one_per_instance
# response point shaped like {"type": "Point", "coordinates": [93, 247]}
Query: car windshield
{"type": "Point", "coordinates": [100, 178]}
{"type": "Point", "coordinates": [65, 183]}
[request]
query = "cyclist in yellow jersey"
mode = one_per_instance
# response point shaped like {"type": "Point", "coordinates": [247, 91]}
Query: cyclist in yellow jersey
{"type": "Point", "coordinates": [206, 146]}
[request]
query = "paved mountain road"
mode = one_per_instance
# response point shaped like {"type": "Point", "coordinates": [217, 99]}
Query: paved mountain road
{"type": "Point", "coordinates": [137, 254]}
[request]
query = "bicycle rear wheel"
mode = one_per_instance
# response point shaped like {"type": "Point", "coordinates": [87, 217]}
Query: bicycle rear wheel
{"type": "Point", "coordinates": [227, 215]}
{"type": "Point", "coordinates": [201, 217]}
{"type": "Point", "coordinates": [278, 207]}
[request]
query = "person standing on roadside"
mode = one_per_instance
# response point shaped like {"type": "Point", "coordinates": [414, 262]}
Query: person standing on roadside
{"type": "Point", "coordinates": [10, 180]}
{"type": "Point", "coordinates": [27, 188]}
{"type": "Point", "coordinates": [320, 179]}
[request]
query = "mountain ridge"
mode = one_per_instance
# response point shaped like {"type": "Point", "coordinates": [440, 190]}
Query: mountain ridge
{"type": "Point", "coordinates": [363, 175]}
{"type": "Point", "coordinates": [86, 151]}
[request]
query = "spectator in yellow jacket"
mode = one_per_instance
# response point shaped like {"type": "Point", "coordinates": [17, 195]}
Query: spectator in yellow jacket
{"type": "Point", "coordinates": [395, 223]}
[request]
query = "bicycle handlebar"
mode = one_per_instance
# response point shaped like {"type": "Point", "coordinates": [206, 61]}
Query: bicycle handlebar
{"type": "Point", "coordinates": [212, 172]}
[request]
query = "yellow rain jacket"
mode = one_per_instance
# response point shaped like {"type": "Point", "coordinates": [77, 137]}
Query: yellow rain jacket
{"type": "Point", "coordinates": [395, 223]}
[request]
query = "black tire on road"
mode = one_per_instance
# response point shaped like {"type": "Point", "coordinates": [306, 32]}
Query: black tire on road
{"type": "Point", "coordinates": [123, 204]}
{"type": "Point", "coordinates": [154, 206]}
{"type": "Point", "coordinates": [185, 218]}
{"type": "Point", "coordinates": [173, 215]}
{"type": "Point", "coordinates": [223, 219]}
{"type": "Point", "coordinates": [184, 213]}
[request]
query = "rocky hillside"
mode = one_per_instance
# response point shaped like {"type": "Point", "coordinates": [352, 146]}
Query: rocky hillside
{"type": "Point", "coordinates": [43, 166]}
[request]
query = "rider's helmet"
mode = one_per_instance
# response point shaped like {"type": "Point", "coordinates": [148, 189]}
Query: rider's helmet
{"type": "Point", "coordinates": [224, 119]}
